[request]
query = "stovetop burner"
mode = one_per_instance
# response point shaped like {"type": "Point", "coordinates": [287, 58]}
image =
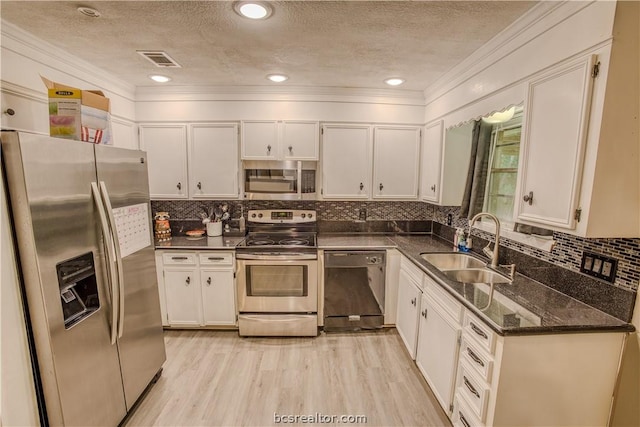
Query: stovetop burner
{"type": "Point", "coordinates": [294, 242]}
{"type": "Point", "coordinates": [260, 242]}
{"type": "Point", "coordinates": [281, 229]}
{"type": "Point", "coordinates": [282, 240]}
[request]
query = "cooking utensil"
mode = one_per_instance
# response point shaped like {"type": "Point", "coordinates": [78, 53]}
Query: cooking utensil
{"type": "Point", "coordinates": [217, 212]}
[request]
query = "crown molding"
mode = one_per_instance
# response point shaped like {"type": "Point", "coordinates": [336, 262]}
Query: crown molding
{"type": "Point", "coordinates": [26, 44]}
{"type": "Point", "coordinates": [23, 92]}
{"type": "Point", "coordinates": [515, 36]}
{"type": "Point", "coordinates": [280, 94]}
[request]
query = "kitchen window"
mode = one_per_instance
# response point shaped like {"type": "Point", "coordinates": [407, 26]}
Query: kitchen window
{"type": "Point", "coordinates": [503, 169]}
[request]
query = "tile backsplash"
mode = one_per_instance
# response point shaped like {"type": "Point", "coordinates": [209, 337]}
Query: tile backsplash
{"type": "Point", "coordinates": [327, 210]}
{"type": "Point", "coordinates": [567, 253]}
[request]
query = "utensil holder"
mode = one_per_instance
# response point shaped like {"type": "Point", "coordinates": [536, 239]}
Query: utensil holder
{"type": "Point", "coordinates": [214, 229]}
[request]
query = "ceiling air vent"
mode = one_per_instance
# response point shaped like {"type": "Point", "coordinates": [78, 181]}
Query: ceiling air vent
{"type": "Point", "coordinates": [159, 58]}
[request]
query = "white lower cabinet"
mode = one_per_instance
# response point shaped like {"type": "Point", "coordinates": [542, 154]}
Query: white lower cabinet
{"type": "Point", "coordinates": [182, 287]}
{"type": "Point", "coordinates": [407, 316]}
{"type": "Point", "coordinates": [534, 380]}
{"type": "Point", "coordinates": [198, 288]}
{"type": "Point", "coordinates": [437, 353]}
{"type": "Point", "coordinates": [484, 379]}
{"type": "Point", "coordinates": [218, 298]}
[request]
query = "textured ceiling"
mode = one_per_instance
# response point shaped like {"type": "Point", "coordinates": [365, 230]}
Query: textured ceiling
{"type": "Point", "coordinates": [317, 43]}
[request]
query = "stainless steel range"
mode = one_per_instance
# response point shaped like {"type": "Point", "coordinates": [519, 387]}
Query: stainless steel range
{"type": "Point", "coordinates": [278, 274]}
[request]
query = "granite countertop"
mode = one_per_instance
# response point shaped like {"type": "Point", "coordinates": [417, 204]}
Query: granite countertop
{"type": "Point", "coordinates": [354, 241]}
{"type": "Point", "coordinates": [519, 308]}
{"type": "Point", "coordinates": [204, 242]}
{"type": "Point", "coordinates": [522, 307]}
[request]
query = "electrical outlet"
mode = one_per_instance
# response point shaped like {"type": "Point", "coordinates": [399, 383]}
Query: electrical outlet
{"type": "Point", "coordinates": [600, 266]}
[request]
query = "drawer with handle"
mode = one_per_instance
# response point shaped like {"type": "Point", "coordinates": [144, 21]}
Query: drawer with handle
{"type": "Point", "coordinates": [478, 331]}
{"type": "Point", "coordinates": [477, 358]}
{"type": "Point", "coordinates": [179, 258]}
{"type": "Point", "coordinates": [463, 416]}
{"type": "Point", "coordinates": [216, 258]}
{"type": "Point", "coordinates": [474, 391]}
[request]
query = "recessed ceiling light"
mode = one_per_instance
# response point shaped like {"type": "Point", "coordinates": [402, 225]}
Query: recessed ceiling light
{"type": "Point", "coordinates": [394, 81]}
{"type": "Point", "coordinates": [90, 12]}
{"type": "Point", "coordinates": [278, 78]}
{"type": "Point", "coordinates": [160, 79]}
{"type": "Point", "coordinates": [253, 9]}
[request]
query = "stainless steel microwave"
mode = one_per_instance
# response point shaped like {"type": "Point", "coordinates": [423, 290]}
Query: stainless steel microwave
{"type": "Point", "coordinates": [279, 180]}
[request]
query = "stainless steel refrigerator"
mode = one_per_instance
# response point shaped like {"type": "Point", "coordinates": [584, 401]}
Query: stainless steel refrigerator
{"type": "Point", "coordinates": [85, 247]}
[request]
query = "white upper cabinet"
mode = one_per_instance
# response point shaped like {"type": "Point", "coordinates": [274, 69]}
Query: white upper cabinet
{"type": "Point", "coordinates": [213, 160]}
{"type": "Point", "coordinates": [553, 143]}
{"type": "Point", "coordinates": [166, 147]}
{"type": "Point", "coordinates": [260, 140]}
{"type": "Point", "coordinates": [346, 161]}
{"type": "Point", "coordinates": [430, 162]}
{"type": "Point", "coordinates": [300, 140]}
{"type": "Point", "coordinates": [280, 140]}
{"type": "Point", "coordinates": [396, 156]}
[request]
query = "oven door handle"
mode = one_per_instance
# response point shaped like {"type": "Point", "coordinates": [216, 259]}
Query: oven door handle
{"type": "Point", "coordinates": [289, 256]}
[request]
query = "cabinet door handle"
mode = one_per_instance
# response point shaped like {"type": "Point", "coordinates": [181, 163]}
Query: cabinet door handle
{"type": "Point", "coordinates": [290, 149]}
{"type": "Point", "coordinates": [470, 387]}
{"type": "Point", "coordinates": [433, 188]}
{"type": "Point", "coordinates": [179, 186]}
{"type": "Point", "coordinates": [209, 281]}
{"type": "Point", "coordinates": [424, 313]}
{"type": "Point", "coordinates": [361, 186]}
{"type": "Point", "coordinates": [478, 331]}
{"type": "Point", "coordinates": [188, 281]}
{"type": "Point", "coordinates": [413, 302]}
{"type": "Point", "coordinates": [528, 198]}
{"type": "Point", "coordinates": [268, 149]}
{"type": "Point", "coordinates": [215, 258]}
{"type": "Point", "coordinates": [179, 258]}
{"type": "Point", "coordinates": [474, 357]}
{"type": "Point", "coordinates": [199, 186]}
{"type": "Point", "coordinates": [381, 186]}
{"type": "Point", "coordinates": [463, 420]}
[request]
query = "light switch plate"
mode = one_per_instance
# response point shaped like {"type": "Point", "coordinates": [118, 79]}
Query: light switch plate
{"type": "Point", "coordinates": [600, 266]}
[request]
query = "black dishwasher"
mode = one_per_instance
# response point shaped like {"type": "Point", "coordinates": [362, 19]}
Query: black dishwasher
{"type": "Point", "coordinates": [354, 290]}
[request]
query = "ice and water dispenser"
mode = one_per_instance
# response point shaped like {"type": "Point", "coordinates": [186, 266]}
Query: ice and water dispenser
{"type": "Point", "coordinates": [78, 288]}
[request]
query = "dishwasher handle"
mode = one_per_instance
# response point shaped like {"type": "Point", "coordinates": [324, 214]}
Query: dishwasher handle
{"type": "Point", "coordinates": [352, 259]}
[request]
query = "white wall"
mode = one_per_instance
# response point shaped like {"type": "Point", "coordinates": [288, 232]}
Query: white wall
{"type": "Point", "coordinates": [550, 34]}
{"type": "Point", "coordinates": [290, 103]}
{"type": "Point", "coordinates": [17, 391]}
{"type": "Point", "coordinates": [25, 59]}
{"type": "Point", "coordinates": [626, 409]}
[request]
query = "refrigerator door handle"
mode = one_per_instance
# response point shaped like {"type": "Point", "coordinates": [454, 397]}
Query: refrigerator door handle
{"type": "Point", "coordinates": [111, 256]}
{"type": "Point", "coordinates": [116, 244]}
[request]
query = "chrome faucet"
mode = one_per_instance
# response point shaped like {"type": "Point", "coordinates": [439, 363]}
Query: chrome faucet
{"type": "Point", "coordinates": [493, 254]}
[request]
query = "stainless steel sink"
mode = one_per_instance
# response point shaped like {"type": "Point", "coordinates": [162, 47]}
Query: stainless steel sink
{"type": "Point", "coordinates": [476, 275]}
{"type": "Point", "coordinates": [452, 260]}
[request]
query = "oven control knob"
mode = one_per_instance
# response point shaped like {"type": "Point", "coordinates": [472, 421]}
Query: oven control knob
{"type": "Point", "coordinates": [253, 215]}
{"type": "Point", "coordinates": [310, 215]}
{"type": "Point", "coordinates": [259, 215]}
{"type": "Point", "coordinates": [304, 215]}
{"type": "Point", "coordinates": [373, 260]}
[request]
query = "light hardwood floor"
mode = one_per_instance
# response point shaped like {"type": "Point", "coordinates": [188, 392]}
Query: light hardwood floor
{"type": "Point", "coordinates": [215, 378]}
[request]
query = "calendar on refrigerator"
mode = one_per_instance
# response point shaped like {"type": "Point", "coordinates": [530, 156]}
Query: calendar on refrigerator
{"type": "Point", "coordinates": [132, 223]}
